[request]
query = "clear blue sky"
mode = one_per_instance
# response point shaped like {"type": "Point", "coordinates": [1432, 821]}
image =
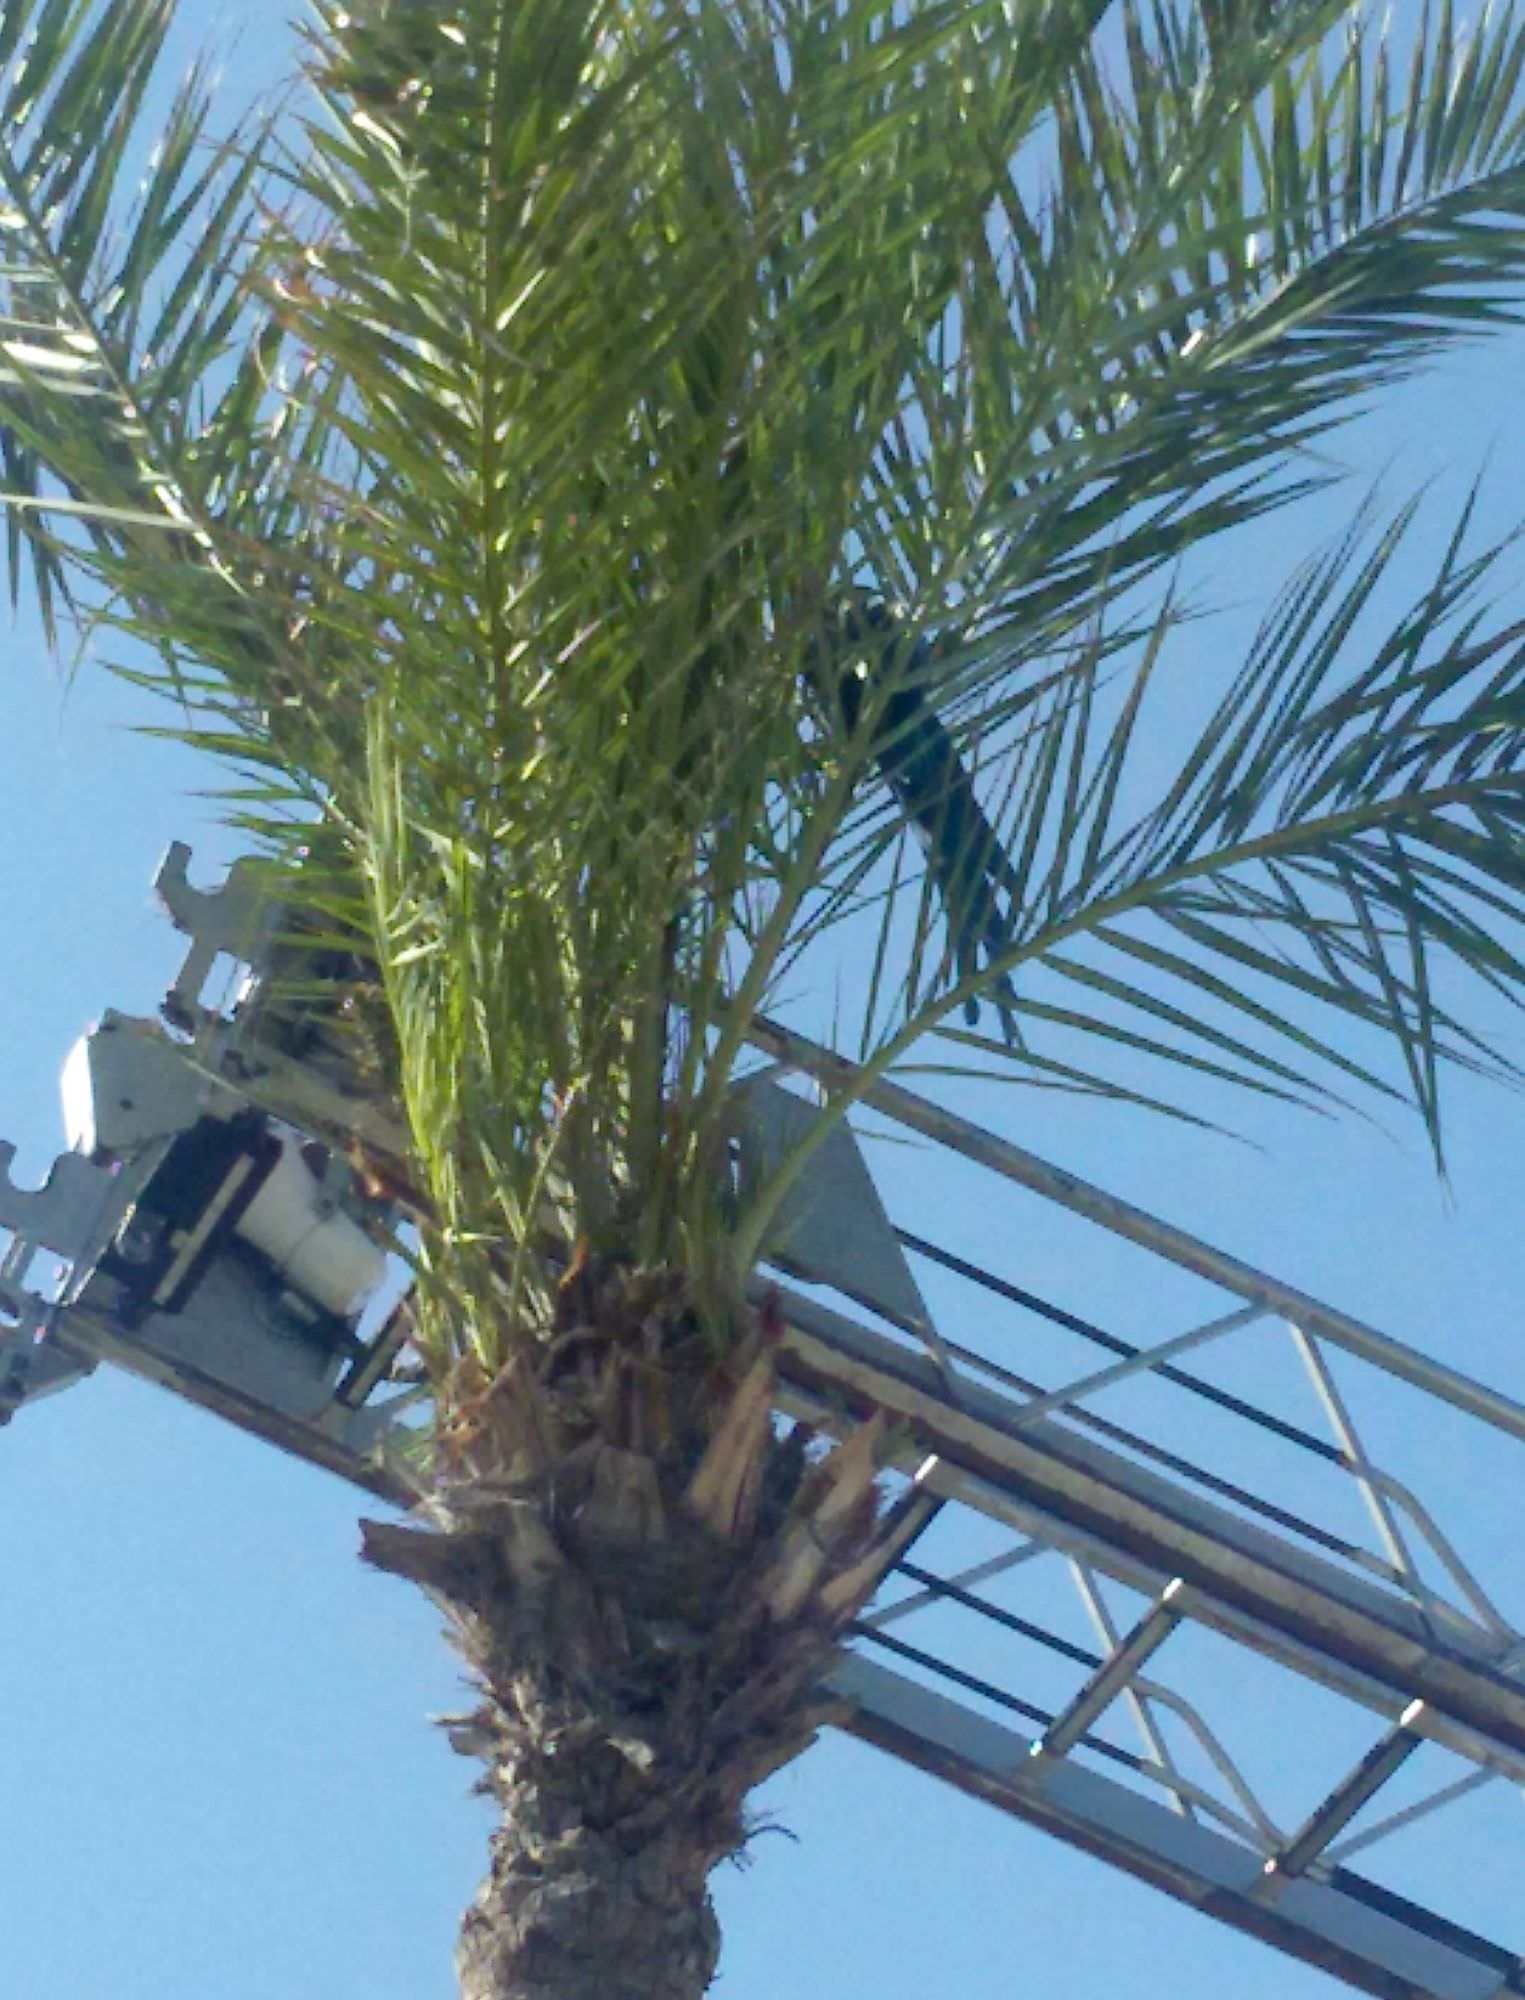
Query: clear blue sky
{"type": "Point", "coordinates": [217, 1776]}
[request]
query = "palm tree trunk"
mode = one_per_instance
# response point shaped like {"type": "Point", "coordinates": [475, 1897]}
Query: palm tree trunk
{"type": "Point", "coordinates": [570, 1913]}
{"type": "Point", "coordinates": [649, 1583]}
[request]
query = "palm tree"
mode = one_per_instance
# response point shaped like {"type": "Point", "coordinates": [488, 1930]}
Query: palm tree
{"type": "Point", "coordinates": [659, 506]}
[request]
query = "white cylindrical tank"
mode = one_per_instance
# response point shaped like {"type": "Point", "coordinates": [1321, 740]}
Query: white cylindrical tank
{"type": "Point", "coordinates": [320, 1251]}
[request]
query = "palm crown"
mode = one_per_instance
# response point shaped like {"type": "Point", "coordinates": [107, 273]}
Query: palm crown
{"type": "Point", "coordinates": [495, 454]}
{"type": "Point", "coordinates": [644, 497]}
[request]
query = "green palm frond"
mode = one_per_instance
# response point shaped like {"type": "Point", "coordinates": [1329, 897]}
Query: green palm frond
{"type": "Point", "coordinates": [1331, 832]}
{"type": "Point", "coordinates": [610, 478]}
{"type": "Point", "coordinates": [1240, 236]}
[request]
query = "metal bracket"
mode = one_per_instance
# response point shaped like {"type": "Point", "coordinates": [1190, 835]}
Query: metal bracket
{"type": "Point", "coordinates": [60, 1215]}
{"type": "Point", "coordinates": [235, 918]}
{"type": "Point", "coordinates": [831, 1225]}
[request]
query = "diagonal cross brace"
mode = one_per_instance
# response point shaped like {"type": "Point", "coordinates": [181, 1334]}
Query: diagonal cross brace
{"type": "Point", "coordinates": [1380, 1763]}
{"type": "Point", "coordinates": [1113, 1675]}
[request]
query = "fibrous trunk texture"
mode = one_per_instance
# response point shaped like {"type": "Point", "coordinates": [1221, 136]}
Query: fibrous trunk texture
{"type": "Point", "coordinates": [586, 1917]}
{"type": "Point", "coordinates": [648, 1582]}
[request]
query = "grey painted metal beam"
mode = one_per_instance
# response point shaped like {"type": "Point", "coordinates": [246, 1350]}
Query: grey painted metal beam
{"type": "Point", "coordinates": [88, 1337]}
{"type": "Point", "coordinates": [1358, 1933]}
{"type": "Point", "coordinates": [1254, 1586]}
{"type": "Point", "coordinates": [1259, 1587]}
{"type": "Point", "coordinates": [1178, 1246]}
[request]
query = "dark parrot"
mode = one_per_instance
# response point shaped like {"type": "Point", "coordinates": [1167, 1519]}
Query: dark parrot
{"type": "Point", "coordinates": [916, 756]}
